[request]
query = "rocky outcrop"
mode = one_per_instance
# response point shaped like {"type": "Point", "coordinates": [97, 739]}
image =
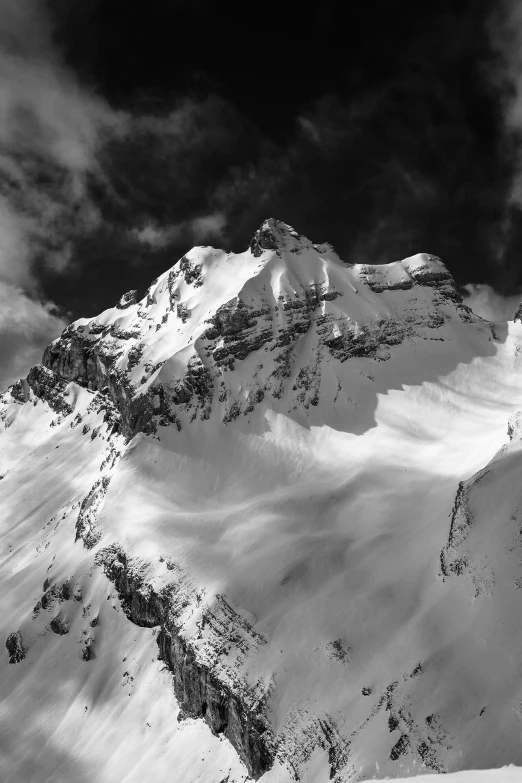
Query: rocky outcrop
{"type": "Point", "coordinates": [15, 647]}
{"type": "Point", "coordinates": [20, 391]}
{"type": "Point", "coordinates": [239, 329]}
{"type": "Point", "coordinates": [201, 695]}
{"type": "Point", "coordinates": [235, 331]}
{"type": "Point", "coordinates": [50, 387]}
{"type": "Point", "coordinates": [452, 559]}
{"type": "Point", "coordinates": [92, 364]}
{"type": "Point", "coordinates": [193, 393]}
{"type": "Point", "coordinates": [86, 527]}
{"type": "Point", "coordinates": [127, 300]}
{"type": "Point", "coordinates": [190, 271]}
{"type": "Point", "coordinates": [59, 625]}
{"type": "Point", "coordinates": [456, 559]}
{"type": "Point", "coordinates": [266, 238]}
{"type": "Point", "coordinates": [305, 732]}
{"type": "Point", "coordinates": [87, 653]}
{"type": "Point", "coordinates": [52, 595]}
{"type": "Point", "coordinates": [237, 712]}
{"type": "Point", "coordinates": [279, 236]}
{"type": "Point", "coordinates": [514, 430]}
{"type": "Point", "coordinates": [346, 339]}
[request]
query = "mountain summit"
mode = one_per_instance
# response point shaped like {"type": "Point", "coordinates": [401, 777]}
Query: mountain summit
{"type": "Point", "coordinates": [263, 523]}
{"type": "Point", "coordinates": [218, 331]}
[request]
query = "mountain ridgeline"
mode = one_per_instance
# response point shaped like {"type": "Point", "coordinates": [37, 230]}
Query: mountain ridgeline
{"type": "Point", "coordinates": [287, 477]}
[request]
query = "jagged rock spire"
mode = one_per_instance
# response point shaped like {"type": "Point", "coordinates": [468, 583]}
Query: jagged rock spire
{"type": "Point", "coordinates": [276, 235]}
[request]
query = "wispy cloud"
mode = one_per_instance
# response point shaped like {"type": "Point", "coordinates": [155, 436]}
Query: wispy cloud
{"type": "Point", "coordinates": [505, 32]}
{"type": "Point", "coordinates": [505, 76]}
{"type": "Point", "coordinates": [489, 304]}
{"type": "Point", "coordinates": [199, 229]}
{"type": "Point", "coordinates": [50, 128]}
{"type": "Point", "coordinates": [27, 325]}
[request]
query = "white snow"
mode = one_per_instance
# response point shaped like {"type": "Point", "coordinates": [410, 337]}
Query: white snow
{"type": "Point", "coordinates": [510, 774]}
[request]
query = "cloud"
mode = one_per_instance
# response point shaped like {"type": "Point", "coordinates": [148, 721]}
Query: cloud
{"type": "Point", "coordinates": [50, 130]}
{"type": "Point", "coordinates": [196, 230]}
{"type": "Point", "coordinates": [505, 32]}
{"type": "Point", "coordinates": [489, 304]}
{"type": "Point", "coordinates": [208, 226]}
{"type": "Point", "coordinates": [505, 74]}
{"type": "Point", "coordinates": [26, 327]}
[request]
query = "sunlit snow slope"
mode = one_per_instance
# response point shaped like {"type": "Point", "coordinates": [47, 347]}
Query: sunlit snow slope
{"type": "Point", "coordinates": [286, 478]}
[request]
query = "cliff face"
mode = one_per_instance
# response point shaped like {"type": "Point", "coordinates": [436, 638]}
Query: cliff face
{"type": "Point", "coordinates": [251, 474]}
{"type": "Point", "coordinates": [234, 712]}
{"type": "Point", "coordinates": [477, 550]}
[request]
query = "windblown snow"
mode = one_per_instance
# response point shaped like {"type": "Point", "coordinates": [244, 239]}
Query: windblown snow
{"type": "Point", "coordinates": [266, 522]}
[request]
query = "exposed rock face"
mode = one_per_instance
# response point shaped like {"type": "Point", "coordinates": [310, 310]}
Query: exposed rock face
{"type": "Point", "coordinates": [59, 625]}
{"type": "Point", "coordinates": [191, 272]}
{"type": "Point", "coordinates": [193, 393]}
{"type": "Point", "coordinates": [455, 558]}
{"type": "Point", "coordinates": [269, 237]}
{"type": "Point", "coordinates": [51, 387]}
{"type": "Point", "coordinates": [199, 691]}
{"type": "Point", "coordinates": [15, 647]}
{"type": "Point", "coordinates": [72, 358]}
{"type": "Point", "coordinates": [459, 557]}
{"type": "Point", "coordinates": [127, 300]}
{"type": "Point", "coordinates": [86, 528]}
{"type": "Point", "coordinates": [201, 695]}
{"type": "Point", "coordinates": [514, 430]}
{"type": "Point", "coordinates": [55, 594]}
{"type": "Point", "coordinates": [20, 391]}
{"type": "Point", "coordinates": [434, 273]}
{"type": "Point", "coordinates": [452, 560]}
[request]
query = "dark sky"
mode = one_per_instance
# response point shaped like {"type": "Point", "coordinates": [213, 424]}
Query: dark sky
{"type": "Point", "coordinates": [378, 126]}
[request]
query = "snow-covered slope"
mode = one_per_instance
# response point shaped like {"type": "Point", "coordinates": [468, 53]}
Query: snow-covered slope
{"type": "Point", "coordinates": [255, 474]}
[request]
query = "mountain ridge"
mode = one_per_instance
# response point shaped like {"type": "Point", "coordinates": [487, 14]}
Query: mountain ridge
{"type": "Point", "coordinates": [258, 464]}
{"type": "Point", "coordinates": [117, 350]}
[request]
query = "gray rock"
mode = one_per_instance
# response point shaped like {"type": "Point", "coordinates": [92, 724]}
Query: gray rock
{"type": "Point", "coordinates": [59, 625]}
{"type": "Point", "coordinates": [15, 647]}
{"type": "Point", "coordinates": [128, 299]}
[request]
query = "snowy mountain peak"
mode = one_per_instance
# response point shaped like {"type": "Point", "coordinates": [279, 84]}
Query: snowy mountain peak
{"type": "Point", "coordinates": [278, 236]}
{"type": "Point", "coordinates": [284, 477]}
{"type": "Point", "coordinates": [220, 334]}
